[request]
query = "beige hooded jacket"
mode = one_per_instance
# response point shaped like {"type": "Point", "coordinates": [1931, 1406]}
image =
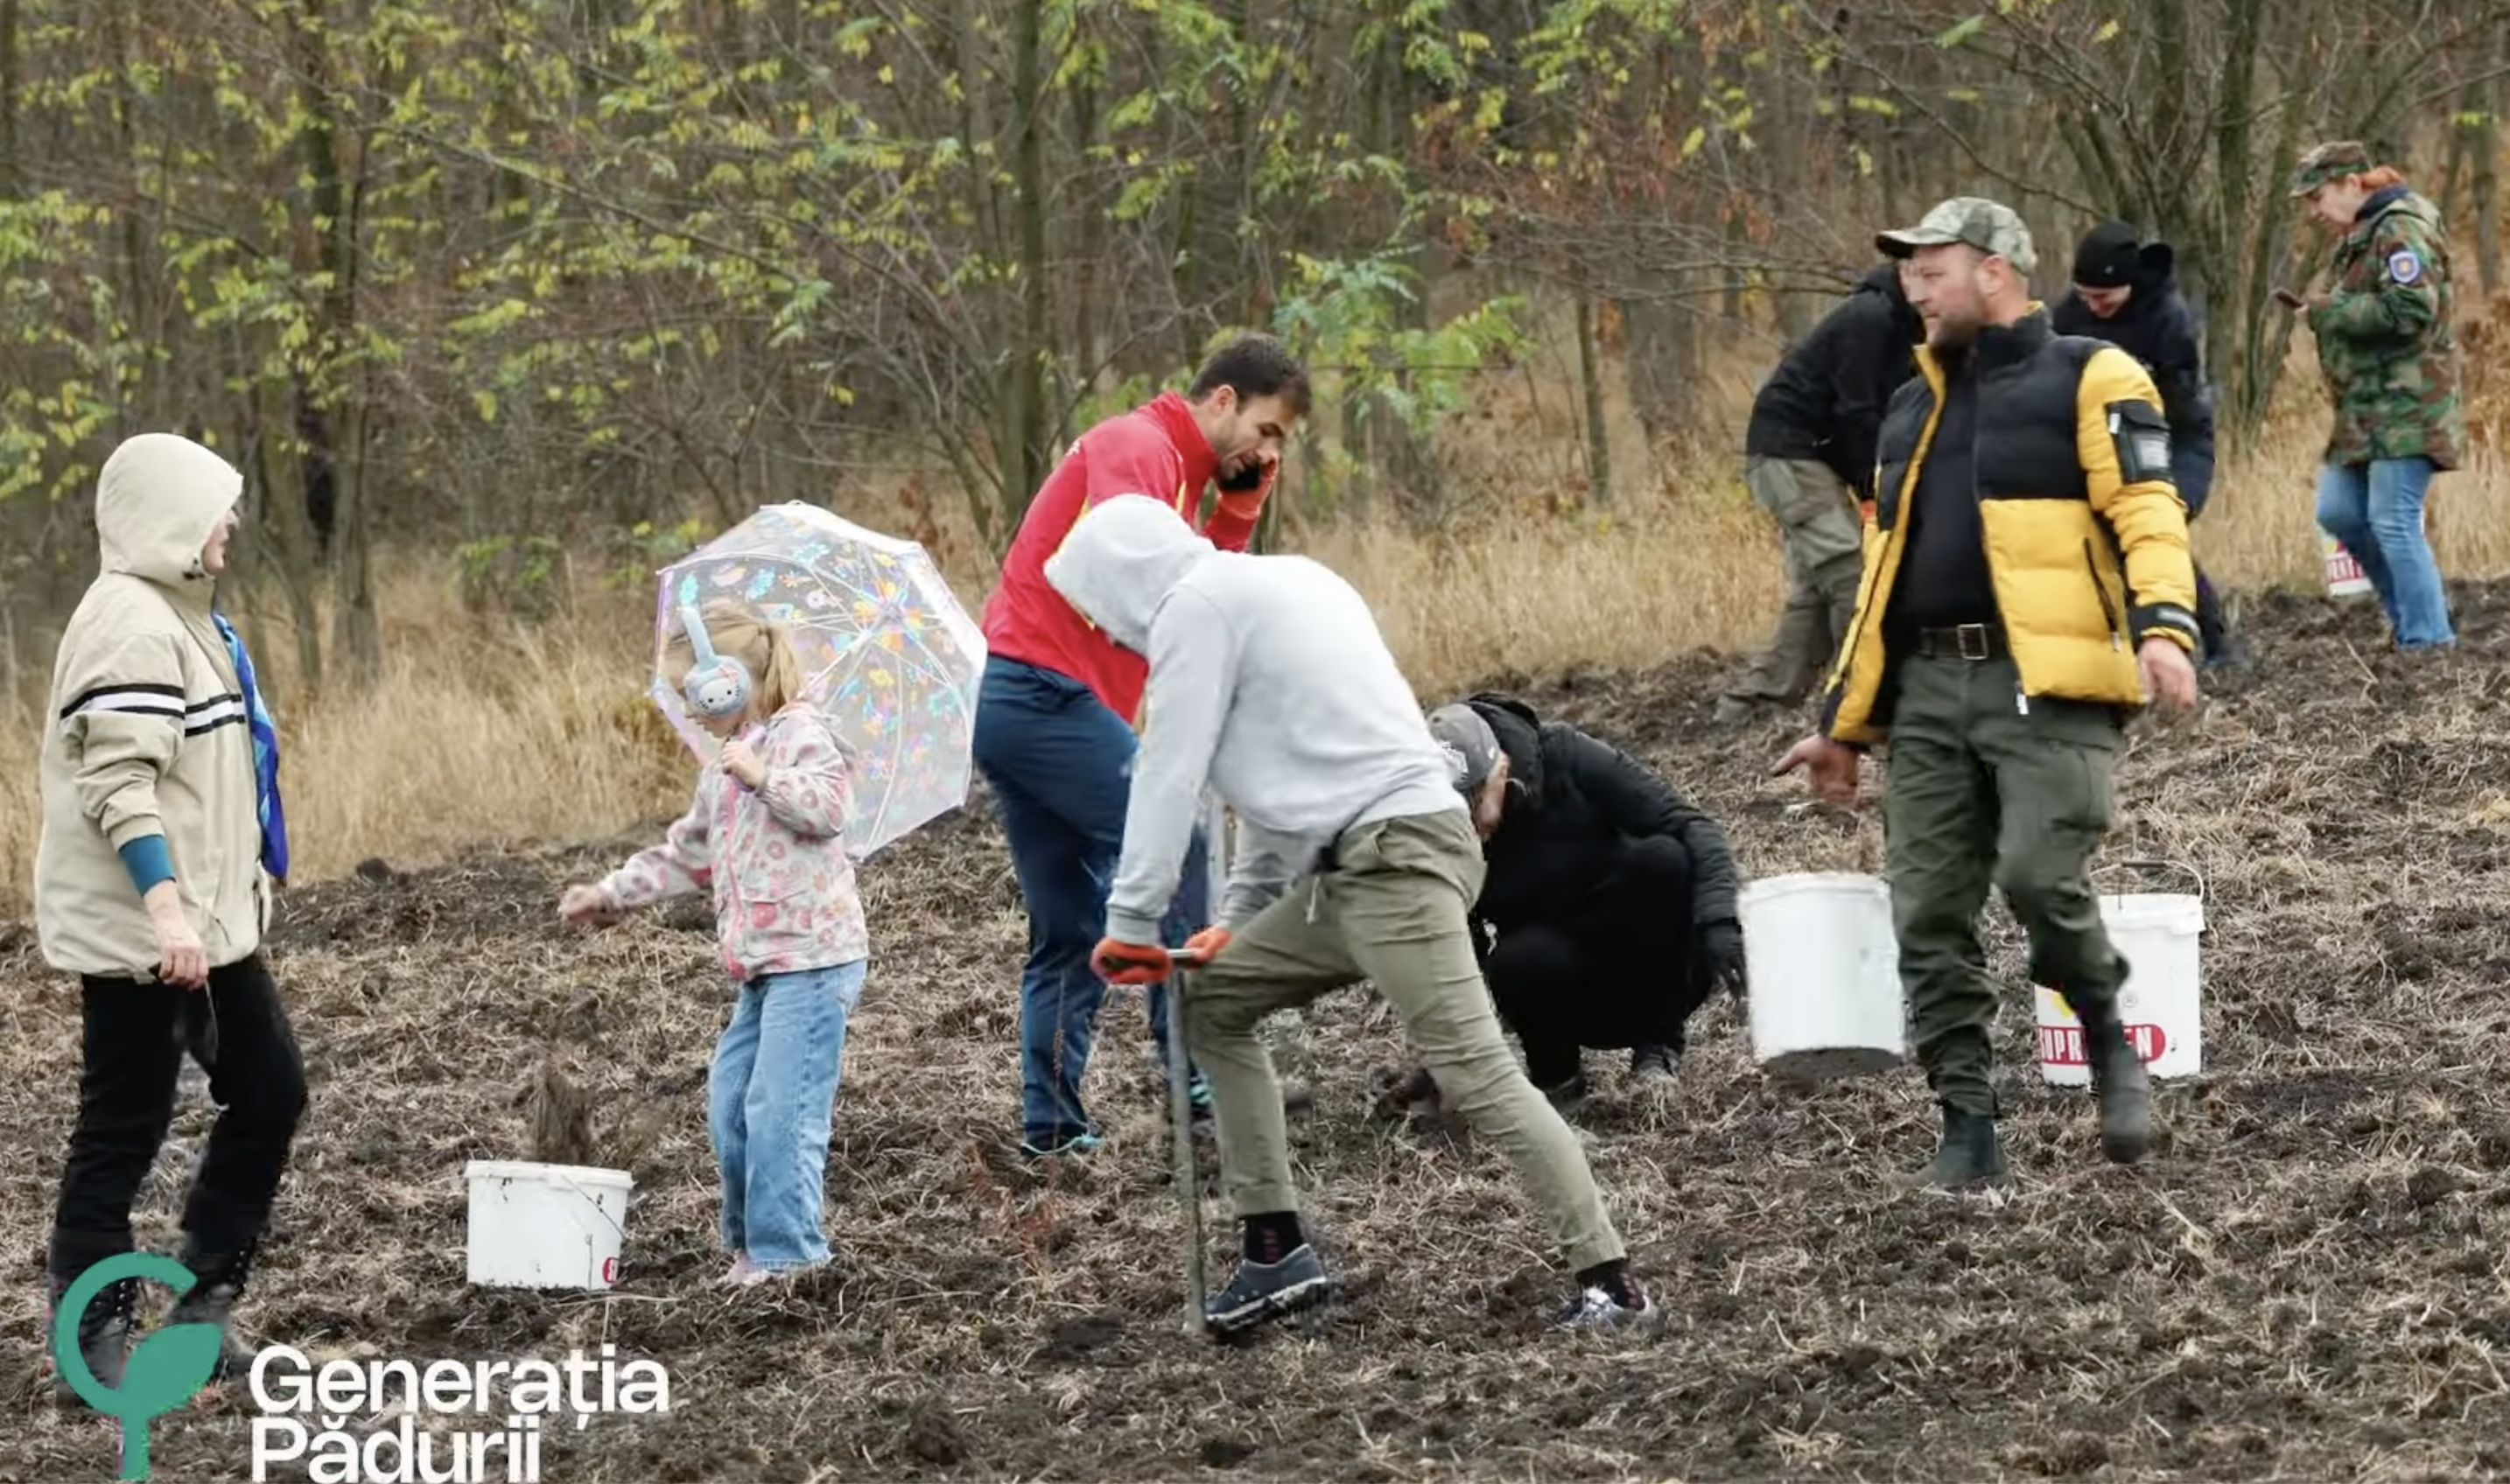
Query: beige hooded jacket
{"type": "Point", "coordinates": [148, 733]}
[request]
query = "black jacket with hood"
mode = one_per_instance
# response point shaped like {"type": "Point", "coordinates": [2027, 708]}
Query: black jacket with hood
{"type": "Point", "coordinates": [1825, 399]}
{"type": "Point", "coordinates": [1573, 801]}
{"type": "Point", "coordinates": [2157, 326]}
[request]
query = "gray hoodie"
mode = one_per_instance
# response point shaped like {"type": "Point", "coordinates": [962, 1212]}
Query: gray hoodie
{"type": "Point", "coordinates": [148, 733]}
{"type": "Point", "coordinates": [1269, 682]}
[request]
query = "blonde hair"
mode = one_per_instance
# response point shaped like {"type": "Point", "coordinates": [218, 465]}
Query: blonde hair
{"type": "Point", "coordinates": [764, 648]}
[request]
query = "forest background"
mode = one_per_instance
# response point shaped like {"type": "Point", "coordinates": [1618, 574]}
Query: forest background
{"type": "Point", "coordinates": [501, 304]}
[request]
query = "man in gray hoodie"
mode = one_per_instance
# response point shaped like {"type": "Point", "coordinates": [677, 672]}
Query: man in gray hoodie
{"type": "Point", "coordinates": [1358, 860]}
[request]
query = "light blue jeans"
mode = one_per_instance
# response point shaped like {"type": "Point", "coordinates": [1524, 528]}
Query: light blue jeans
{"type": "Point", "coordinates": [771, 1095]}
{"type": "Point", "coordinates": [2376, 509]}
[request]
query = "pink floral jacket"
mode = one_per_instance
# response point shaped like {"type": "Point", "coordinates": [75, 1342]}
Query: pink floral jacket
{"type": "Point", "coordinates": [784, 886]}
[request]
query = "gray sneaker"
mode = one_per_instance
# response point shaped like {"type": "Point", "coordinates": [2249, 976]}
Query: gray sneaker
{"type": "Point", "coordinates": [1595, 1308]}
{"type": "Point", "coordinates": [1262, 1291]}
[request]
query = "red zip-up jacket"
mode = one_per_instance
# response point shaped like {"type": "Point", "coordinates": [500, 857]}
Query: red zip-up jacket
{"type": "Point", "coordinates": [1156, 449]}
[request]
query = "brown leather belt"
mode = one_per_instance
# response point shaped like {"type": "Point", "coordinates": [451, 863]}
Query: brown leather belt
{"type": "Point", "coordinates": [1964, 641]}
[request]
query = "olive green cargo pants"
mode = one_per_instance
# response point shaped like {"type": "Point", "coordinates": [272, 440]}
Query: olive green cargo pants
{"type": "Point", "coordinates": [1821, 537]}
{"type": "Point", "coordinates": [1391, 911]}
{"type": "Point", "coordinates": [1981, 789]}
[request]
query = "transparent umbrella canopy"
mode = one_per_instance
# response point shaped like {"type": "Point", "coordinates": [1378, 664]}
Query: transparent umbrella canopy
{"type": "Point", "coordinates": [887, 653]}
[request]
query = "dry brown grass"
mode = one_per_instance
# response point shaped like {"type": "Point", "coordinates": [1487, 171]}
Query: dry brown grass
{"type": "Point", "coordinates": [484, 733]}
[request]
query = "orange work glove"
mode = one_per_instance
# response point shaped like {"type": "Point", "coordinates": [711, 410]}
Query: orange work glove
{"type": "Point", "coordinates": [1122, 963]}
{"type": "Point", "coordinates": [1204, 946]}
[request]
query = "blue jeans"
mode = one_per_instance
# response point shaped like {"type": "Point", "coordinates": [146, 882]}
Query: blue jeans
{"type": "Point", "coordinates": [2376, 509]}
{"type": "Point", "coordinates": [1060, 765]}
{"type": "Point", "coordinates": [769, 1096]}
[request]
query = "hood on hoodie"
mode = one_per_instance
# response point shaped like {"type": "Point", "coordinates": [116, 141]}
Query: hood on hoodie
{"type": "Point", "coordinates": [1519, 732]}
{"type": "Point", "coordinates": [1120, 563]}
{"type": "Point", "coordinates": [2157, 264]}
{"type": "Point", "coordinates": [1884, 279]}
{"type": "Point", "coordinates": [157, 500]}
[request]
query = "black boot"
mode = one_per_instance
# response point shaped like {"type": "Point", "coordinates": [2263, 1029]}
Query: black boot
{"type": "Point", "coordinates": [221, 1282]}
{"type": "Point", "coordinates": [103, 1336]}
{"type": "Point", "coordinates": [1969, 1153]}
{"type": "Point", "coordinates": [2122, 1086]}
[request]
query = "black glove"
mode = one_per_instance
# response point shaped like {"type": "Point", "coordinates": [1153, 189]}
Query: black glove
{"type": "Point", "coordinates": [1720, 951]}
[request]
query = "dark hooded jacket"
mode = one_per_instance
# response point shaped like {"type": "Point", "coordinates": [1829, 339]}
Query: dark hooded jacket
{"type": "Point", "coordinates": [1824, 401]}
{"type": "Point", "coordinates": [1573, 802]}
{"type": "Point", "coordinates": [2157, 326]}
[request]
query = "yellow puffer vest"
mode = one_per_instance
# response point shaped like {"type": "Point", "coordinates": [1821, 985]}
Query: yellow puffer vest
{"type": "Point", "coordinates": [2086, 537]}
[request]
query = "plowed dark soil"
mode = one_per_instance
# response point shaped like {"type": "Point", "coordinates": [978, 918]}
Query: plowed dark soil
{"type": "Point", "coordinates": [2305, 1282]}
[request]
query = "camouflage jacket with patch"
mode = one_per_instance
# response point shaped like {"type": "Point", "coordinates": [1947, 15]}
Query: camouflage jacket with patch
{"type": "Point", "coordinates": [2384, 338]}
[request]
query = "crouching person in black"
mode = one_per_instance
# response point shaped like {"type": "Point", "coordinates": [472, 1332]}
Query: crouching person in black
{"type": "Point", "coordinates": [1607, 911]}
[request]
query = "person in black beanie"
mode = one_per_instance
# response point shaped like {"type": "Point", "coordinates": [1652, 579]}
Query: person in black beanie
{"type": "Point", "coordinates": [2126, 292]}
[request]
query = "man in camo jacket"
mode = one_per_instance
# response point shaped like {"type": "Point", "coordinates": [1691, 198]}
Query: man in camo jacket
{"type": "Point", "coordinates": [2390, 359]}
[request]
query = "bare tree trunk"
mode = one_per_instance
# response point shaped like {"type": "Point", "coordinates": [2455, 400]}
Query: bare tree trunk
{"type": "Point", "coordinates": [1657, 351]}
{"type": "Point", "coordinates": [1026, 452]}
{"type": "Point", "coordinates": [1590, 380]}
{"type": "Point", "coordinates": [2486, 193]}
{"type": "Point", "coordinates": [9, 84]}
{"type": "Point", "coordinates": [269, 415]}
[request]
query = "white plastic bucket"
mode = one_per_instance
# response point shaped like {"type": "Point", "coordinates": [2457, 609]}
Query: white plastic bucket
{"type": "Point", "coordinates": [2162, 1005]}
{"type": "Point", "coordinates": [2345, 578]}
{"type": "Point", "coordinates": [1825, 974]}
{"type": "Point", "coordinates": [546, 1226]}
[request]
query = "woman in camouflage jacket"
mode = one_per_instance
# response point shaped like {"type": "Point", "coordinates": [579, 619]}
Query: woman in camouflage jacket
{"type": "Point", "coordinates": [2390, 359]}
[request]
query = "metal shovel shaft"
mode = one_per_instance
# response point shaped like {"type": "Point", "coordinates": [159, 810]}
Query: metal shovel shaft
{"type": "Point", "coordinates": [1181, 1122]}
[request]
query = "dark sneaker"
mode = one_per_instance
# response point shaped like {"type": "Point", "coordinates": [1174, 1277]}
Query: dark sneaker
{"type": "Point", "coordinates": [1197, 1100]}
{"type": "Point", "coordinates": [215, 1303]}
{"type": "Point", "coordinates": [219, 1280]}
{"type": "Point", "coordinates": [1970, 1152]}
{"type": "Point", "coordinates": [1263, 1292]}
{"type": "Point", "coordinates": [105, 1337]}
{"type": "Point", "coordinates": [1652, 1064]}
{"type": "Point", "coordinates": [1077, 1144]}
{"type": "Point", "coordinates": [2125, 1092]}
{"type": "Point", "coordinates": [1595, 1308]}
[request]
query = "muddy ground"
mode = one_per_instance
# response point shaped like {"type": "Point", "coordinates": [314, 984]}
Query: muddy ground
{"type": "Point", "coordinates": [2305, 1282]}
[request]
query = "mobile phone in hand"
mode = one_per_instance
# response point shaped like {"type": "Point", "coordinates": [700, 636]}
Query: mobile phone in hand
{"type": "Point", "coordinates": [1249, 478]}
{"type": "Point", "coordinates": [2289, 299]}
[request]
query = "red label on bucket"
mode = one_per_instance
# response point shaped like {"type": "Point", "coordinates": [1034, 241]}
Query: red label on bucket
{"type": "Point", "coordinates": [2062, 1045]}
{"type": "Point", "coordinates": [610, 1270]}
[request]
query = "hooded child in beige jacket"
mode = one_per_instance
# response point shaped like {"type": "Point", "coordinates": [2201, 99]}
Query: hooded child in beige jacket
{"type": "Point", "coordinates": [162, 832]}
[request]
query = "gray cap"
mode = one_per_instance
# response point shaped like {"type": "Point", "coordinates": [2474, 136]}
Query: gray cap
{"type": "Point", "coordinates": [1473, 748]}
{"type": "Point", "coordinates": [1990, 226]}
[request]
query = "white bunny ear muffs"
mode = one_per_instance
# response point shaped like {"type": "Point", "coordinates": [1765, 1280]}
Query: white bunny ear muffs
{"type": "Point", "coordinates": [717, 685]}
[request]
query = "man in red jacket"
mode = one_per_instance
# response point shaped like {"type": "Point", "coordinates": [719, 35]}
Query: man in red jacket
{"type": "Point", "coordinates": [1054, 733]}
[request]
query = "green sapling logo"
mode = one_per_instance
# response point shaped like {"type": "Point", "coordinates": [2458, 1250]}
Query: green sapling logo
{"type": "Point", "coordinates": [163, 1371]}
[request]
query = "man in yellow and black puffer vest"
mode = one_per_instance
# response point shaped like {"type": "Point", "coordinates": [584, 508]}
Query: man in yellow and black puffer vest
{"type": "Point", "coordinates": [2026, 588]}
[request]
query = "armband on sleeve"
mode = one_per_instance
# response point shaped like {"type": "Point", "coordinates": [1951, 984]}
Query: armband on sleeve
{"type": "Point", "coordinates": [2142, 435]}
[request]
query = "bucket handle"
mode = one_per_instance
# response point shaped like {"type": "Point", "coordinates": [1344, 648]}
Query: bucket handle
{"type": "Point", "coordinates": [2162, 866]}
{"type": "Point", "coordinates": [594, 1202]}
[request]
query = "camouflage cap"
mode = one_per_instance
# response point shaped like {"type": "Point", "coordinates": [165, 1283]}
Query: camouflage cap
{"type": "Point", "coordinates": [1990, 226]}
{"type": "Point", "coordinates": [2332, 161]}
